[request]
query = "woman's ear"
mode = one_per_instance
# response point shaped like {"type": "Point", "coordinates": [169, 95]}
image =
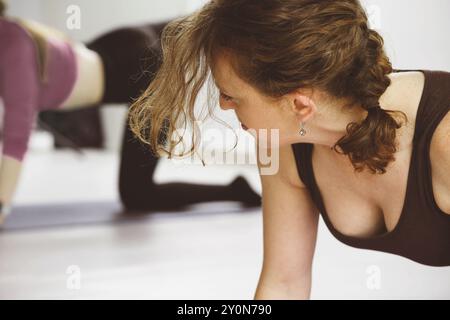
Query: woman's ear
{"type": "Point", "coordinates": [303, 107]}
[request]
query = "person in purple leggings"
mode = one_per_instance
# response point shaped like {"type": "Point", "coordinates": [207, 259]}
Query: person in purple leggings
{"type": "Point", "coordinates": [41, 69]}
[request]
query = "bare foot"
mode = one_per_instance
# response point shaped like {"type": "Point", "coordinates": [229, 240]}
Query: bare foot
{"type": "Point", "coordinates": [245, 193]}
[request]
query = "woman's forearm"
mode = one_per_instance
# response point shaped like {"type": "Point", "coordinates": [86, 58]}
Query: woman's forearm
{"type": "Point", "coordinates": [295, 290]}
{"type": "Point", "coordinates": [10, 169]}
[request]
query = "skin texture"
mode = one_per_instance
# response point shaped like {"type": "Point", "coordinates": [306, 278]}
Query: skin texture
{"type": "Point", "coordinates": [90, 84]}
{"type": "Point", "coordinates": [10, 170]}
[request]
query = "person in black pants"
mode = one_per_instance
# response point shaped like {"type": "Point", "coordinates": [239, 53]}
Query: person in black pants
{"type": "Point", "coordinates": [131, 56]}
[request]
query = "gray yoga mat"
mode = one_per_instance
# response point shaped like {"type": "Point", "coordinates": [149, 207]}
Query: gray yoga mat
{"type": "Point", "coordinates": [79, 213]}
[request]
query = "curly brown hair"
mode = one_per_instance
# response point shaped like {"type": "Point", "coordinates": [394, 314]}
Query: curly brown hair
{"type": "Point", "coordinates": [278, 47]}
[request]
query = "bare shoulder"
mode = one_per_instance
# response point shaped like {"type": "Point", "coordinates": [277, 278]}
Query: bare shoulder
{"type": "Point", "coordinates": [404, 94]}
{"type": "Point", "coordinates": [439, 145]}
{"type": "Point", "coordinates": [440, 163]}
{"type": "Point", "coordinates": [409, 80]}
{"type": "Point", "coordinates": [405, 91]}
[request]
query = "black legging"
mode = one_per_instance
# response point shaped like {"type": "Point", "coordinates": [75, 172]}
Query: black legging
{"type": "Point", "coordinates": [131, 56]}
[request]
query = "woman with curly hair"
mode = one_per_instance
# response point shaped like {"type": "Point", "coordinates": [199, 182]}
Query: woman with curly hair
{"type": "Point", "coordinates": [361, 143]}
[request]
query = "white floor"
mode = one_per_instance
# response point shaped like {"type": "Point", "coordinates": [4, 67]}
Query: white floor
{"type": "Point", "coordinates": [215, 256]}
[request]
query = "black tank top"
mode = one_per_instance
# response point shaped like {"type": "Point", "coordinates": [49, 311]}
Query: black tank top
{"type": "Point", "coordinates": [422, 233]}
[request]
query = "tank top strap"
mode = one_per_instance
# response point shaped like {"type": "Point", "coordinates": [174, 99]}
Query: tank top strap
{"type": "Point", "coordinates": [435, 103]}
{"type": "Point", "coordinates": [303, 158]}
{"type": "Point", "coordinates": [303, 155]}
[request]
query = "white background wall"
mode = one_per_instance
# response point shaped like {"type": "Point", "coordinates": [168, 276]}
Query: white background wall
{"type": "Point", "coordinates": [98, 15]}
{"type": "Point", "coordinates": [416, 31]}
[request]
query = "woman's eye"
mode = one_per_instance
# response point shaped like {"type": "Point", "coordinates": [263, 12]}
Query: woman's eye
{"type": "Point", "coordinates": [225, 97]}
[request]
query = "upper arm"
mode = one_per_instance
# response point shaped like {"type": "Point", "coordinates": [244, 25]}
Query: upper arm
{"type": "Point", "coordinates": [440, 150]}
{"type": "Point", "coordinates": [290, 221]}
{"type": "Point", "coordinates": [440, 162]}
{"type": "Point", "coordinates": [20, 89]}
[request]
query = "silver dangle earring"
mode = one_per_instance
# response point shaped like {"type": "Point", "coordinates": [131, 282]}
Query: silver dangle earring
{"type": "Point", "coordinates": [302, 130]}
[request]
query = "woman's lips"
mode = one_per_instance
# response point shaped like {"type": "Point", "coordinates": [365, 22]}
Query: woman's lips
{"type": "Point", "coordinates": [244, 126]}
